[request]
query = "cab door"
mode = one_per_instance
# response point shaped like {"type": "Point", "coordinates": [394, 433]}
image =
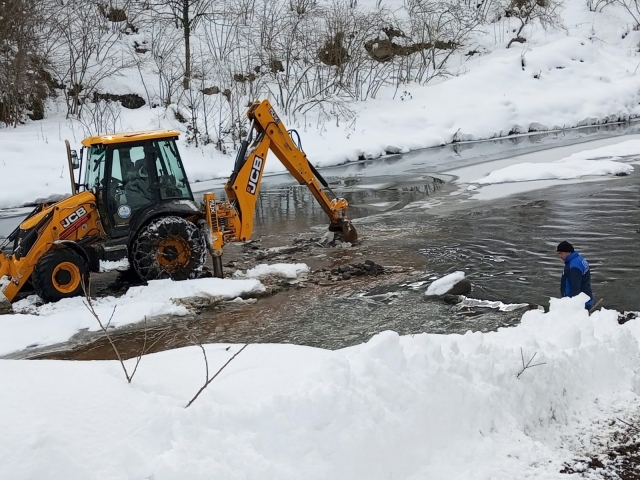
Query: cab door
{"type": "Point", "coordinates": [131, 185]}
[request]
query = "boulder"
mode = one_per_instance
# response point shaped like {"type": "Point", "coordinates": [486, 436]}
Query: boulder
{"type": "Point", "coordinates": [5, 306]}
{"type": "Point", "coordinates": [463, 287]}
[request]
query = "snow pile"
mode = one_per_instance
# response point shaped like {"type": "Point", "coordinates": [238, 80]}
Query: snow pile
{"type": "Point", "coordinates": [414, 407]}
{"type": "Point", "coordinates": [109, 266]}
{"type": "Point", "coordinates": [562, 169]}
{"type": "Point", "coordinates": [444, 284]}
{"type": "Point", "coordinates": [284, 270]}
{"type": "Point", "coordinates": [37, 326]}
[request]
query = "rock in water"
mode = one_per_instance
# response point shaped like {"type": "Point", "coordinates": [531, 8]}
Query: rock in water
{"type": "Point", "coordinates": [463, 287]}
{"type": "Point", "coordinates": [5, 305]}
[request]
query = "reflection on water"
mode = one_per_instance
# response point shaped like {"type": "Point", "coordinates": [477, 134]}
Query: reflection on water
{"type": "Point", "coordinates": [292, 208]}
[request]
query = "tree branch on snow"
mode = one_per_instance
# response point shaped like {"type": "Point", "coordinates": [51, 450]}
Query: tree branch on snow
{"type": "Point", "coordinates": [528, 364]}
{"type": "Point", "coordinates": [86, 287]}
{"type": "Point", "coordinates": [208, 380]}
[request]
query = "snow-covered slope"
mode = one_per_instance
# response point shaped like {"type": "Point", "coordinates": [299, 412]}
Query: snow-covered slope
{"type": "Point", "coordinates": [586, 73]}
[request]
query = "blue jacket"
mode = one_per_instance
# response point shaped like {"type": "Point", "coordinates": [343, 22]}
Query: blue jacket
{"type": "Point", "coordinates": [576, 278]}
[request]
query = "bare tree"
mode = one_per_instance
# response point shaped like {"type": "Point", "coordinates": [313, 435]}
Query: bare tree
{"type": "Point", "coordinates": [547, 12]}
{"type": "Point", "coordinates": [439, 29]}
{"type": "Point", "coordinates": [209, 379]}
{"type": "Point", "coordinates": [86, 50]}
{"type": "Point", "coordinates": [167, 65]}
{"type": "Point", "coordinates": [23, 87]}
{"type": "Point", "coordinates": [185, 15]}
{"type": "Point", "coordinates": [352, 73]}
{"type": "Point", "coordinates": [631, 6]}
{"type": "Point", "coordinates": [86, 285]}
{"type": "Point", "coordinates": [101, 118]}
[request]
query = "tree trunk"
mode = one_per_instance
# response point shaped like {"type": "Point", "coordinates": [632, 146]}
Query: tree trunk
{"type": "Point", "coordinates": [186, 24]}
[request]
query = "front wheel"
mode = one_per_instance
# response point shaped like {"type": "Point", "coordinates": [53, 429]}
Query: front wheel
{"type": "Point", "coordinates": [168, 247]}
{"type": "Point", "coordinates": [59, 274]}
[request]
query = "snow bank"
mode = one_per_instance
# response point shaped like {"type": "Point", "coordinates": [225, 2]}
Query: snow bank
{"type": "Point", "coordinates": [414, 407]}
{"type": "Point", "coordinates": [444, 284]}
{"type": "Point", "coordinates": [37, 326]}
{"type": "Point", "coordinates": [561, 170]}
{"type": "Point", "coordinates": [285, 270]}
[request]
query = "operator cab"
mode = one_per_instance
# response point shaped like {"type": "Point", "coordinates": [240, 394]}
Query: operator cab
{"type": "Point", "coordinates": [129, 173]}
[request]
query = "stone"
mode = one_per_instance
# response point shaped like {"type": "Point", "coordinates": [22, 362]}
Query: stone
{"type": "Point", "coordinates": [463, 287]}
{"type": "Point", "coordinates": [451, 299]}
{"type": "Point", "coordinates": [130, 101]}
{"type": "Point", "coordinates": [5, 306]}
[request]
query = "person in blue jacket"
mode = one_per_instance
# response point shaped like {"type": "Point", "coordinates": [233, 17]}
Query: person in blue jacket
{"type": "Point", "coordinates": [576, 277]}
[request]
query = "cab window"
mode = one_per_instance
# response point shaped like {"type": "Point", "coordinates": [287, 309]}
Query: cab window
{"type": "Point", "coordinates": [94, 174]}
{"type": "Point", "coordinates": [171, 176]}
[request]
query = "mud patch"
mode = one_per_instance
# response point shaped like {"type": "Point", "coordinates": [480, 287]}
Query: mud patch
{"type": "Point", "coordinates": [619, 459]}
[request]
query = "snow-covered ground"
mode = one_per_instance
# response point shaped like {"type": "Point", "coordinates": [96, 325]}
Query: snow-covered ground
{"type": "Point", "coordinates": [33, 324]}
{"type": "Point", "coordinates": [415, 407]}
{"type": "Point", "coordinates": [37, 326]}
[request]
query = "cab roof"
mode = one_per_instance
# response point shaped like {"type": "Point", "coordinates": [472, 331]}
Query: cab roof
{"type": "Point", "coordinates": [129, 137]}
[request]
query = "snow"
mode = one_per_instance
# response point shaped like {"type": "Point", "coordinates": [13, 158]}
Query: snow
{"type": "Point", "coordinates": [588, 162]}
{"type": "Point", "coordinates": [118, 265]}
{"type": "Point", "coordinates": [562, 169]}
{"type": "Point", "coordinates": [444, 284]}
{"type": "Point", "coordinates": [407, 407]}
{"type": "Point", "coordinates": [36, 326]}
{"type": "Point", "coordinates": [533, 171]}
{"type": "Point", "coordinates": [285, 270]}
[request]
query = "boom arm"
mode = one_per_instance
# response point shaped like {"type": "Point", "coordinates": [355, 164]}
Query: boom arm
{"type": "Point", "coordinates": [233, 220]}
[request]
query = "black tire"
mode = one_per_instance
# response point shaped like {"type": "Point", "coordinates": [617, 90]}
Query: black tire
{"type": "Point", "coordinates": [168, 247]}
{"type": "Point", "coordinates": [59, 274]}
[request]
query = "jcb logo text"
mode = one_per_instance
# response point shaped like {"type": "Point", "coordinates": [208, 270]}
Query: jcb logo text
{"type": "Point", "coordinates": [254, 176]}
{"type": "Point", "coordinates": [74, 217]}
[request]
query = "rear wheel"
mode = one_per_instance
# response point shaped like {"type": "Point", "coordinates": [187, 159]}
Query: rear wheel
{"type": "Point", "coordinates": [59, 274]}
{"type": "Point", "coordinates": [169, 247]}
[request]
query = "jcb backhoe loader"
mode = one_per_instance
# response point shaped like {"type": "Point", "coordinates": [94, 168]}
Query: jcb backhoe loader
{"type": "Point", "coordinates": [133, 192]}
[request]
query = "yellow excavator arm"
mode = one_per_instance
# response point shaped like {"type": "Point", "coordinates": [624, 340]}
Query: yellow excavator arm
{"type": "Point", "coordinates": [233, 220]}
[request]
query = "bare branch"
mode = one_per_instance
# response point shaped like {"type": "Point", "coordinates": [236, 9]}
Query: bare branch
{"type": "Point", "coordinates": [86, 287]}
{"type": "Point", "coordinates": [209, 380]}
{"type": "Point", "coordinates": [528, 364]}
